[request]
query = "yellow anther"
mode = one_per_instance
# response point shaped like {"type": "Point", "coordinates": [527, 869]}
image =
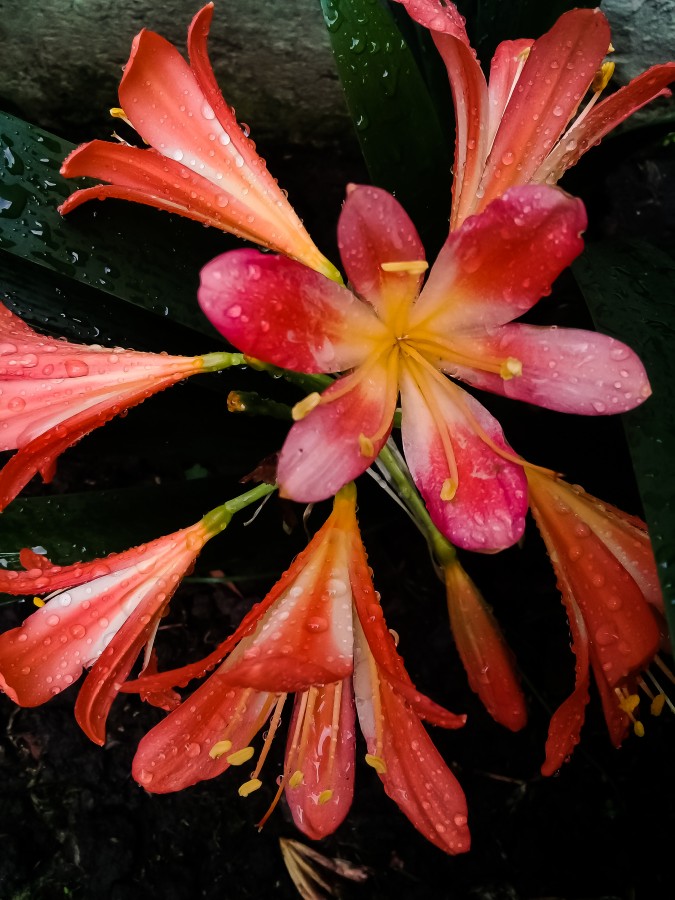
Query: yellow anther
{"type": "Point", "coordinates": [611, 49]}
{"type": "Point", "coordinates": [235, 403]}
{"type": "Point", "coordinates": [411, 266]}
{"type": "Point", "coordinates": [296, 779]}
{"type": "Point", "coordinates": [657, 704]}
{"type": "Point", "coordinates": [118, 113]}
{"type": "Point", "coordinates": [366, 445]}
{"type": "Point", "coordinates": [449, 489]}
{"type": "Point", "coordinates": [630, 703]}
{"type": "Point", "coordinates": [249, 786]}
{"type": "Point", "coordinates": [511, 368]}
{"type": "Point", "coordinates": [219, 749]}
{"type": "Point", "coordinates": [377, 763]}
{"type": "Point", "coordinates": [304, 407]}
{"type": "Point", "coordinates": [240, 756]}
{"type": "Point", "coordinates": [639, 729]}
{"type": "Point", "coordinates": [38, 601]}
{"type": "Point", "coordinates": [602, 77]}
{"type": "Point", "coordinates": [324, 797]}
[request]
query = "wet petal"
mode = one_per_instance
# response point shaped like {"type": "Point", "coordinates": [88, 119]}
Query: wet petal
{"type": "Point", "coordinates": [279, 311]}
{"type": "Point", "coordinates": [555, 78]}
{"type": "Point", "coordinates": [373, 229]}
{"type": "Point", "coordinates": [487, 511]}
{"type": "Point", "coordinates": [499, 263]}
{"type": "Point", "coordinates": [506, 64]}
{"type": "Point", "coordinates": [340, 438]}
{"type": "Point", "coordinates": [566, 369]}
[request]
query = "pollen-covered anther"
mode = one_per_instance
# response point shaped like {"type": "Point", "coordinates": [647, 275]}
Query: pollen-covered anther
{"type": "Point", "coordinates": [511, 368]}
{"type": "Point", "coordinates": [602, 77]}
{"type": "Point", "coordinates": [449, 489]}
{"type": "Point", "coordinates": [305, 406]}
{"type": "Point", "coordinates": [239, 757]}
{"type": "Point", "coordinates": [366, 445]}
{"type": "Point", "coordinates": [296, 779]}
{"type": "Point", "coordinates": [629, 703]}
{"type": "Point", "coordinates": [377, 763]}
{"type": "Point", "coordinates": [220, 749]}
{"type": "Point", "coordinates": [249, 786]}
{"type": "Point", "coordinates": [324, 797]}
{"type": "Point", "coordinates": [657, 704]}
{"type": "Point", "coordinates": [411, 267]}
{"type": "Point", "coordinates": [38, 601]}
{"type": "Point", "coordinates": [118, 113]}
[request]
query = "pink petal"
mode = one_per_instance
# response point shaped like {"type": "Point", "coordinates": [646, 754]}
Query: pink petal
{"type": "Point", "coordinates": [499, 263]}
{"type": "Point", "coordinates": [176, 753]}
{"type": "Point", "coordinates": [325, 757]}
{"type": "Point", "coordinates": [469, 94]}
{"type": "Point", "coordinates": [339, 439]}
{"type": "Point", "coordinates": [487, 659]}
{"type": "Point", "coordinates": [373, 229]}
{"type": "Point", "coordinates": [566, 369]}
{"type": "Point", "coordinates": [556, 75]}
{"type": "Point", "coordinates": [505, 66]}
{"type": "Point", "coordinates": [487, 512]}
{"type": "Point", "coordinates": [279, 311]}
{"type": "Point", "coordinates": [412, 771]}
{"type": "Point", "coordinates": [603, 118]}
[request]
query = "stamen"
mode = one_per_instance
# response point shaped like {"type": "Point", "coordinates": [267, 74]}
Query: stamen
{"type": "Point", "coordinates": [249, 786]}
{"type": "Point", "coordinates": [274, 724]}
{"type": "Point", "coordinates": [511, 368]}
{"type": "Point", "coordinates": [427, 342]}
{"type": "Point", "coordinates": [664, 668]}
{"type": "Point", "coordinates": [305, 406]}
{"type": "Point", "coordinates": [628, 703]}
{"type": "Point", "coordinates": [337, 703]}
{"type": "Point", "coordinates": [38, 601]}
{"type": "Point", "coordinates": [413, 266]}
{"type": "Point", "coordinates": [118, 113]}
{"type": "Point", "coordinates": [273, 804]}
{"type": "Point", "coordinates": [376, 759]}
{"type": "Point", "coordinates": [377, 763]}
{"type": "Point", "coordinates": [296, 779]}
{"type": "Point", "coordinates": [602, 77]}
{"type": "Point", "coordinates": [219, 749]}
{"type": "Point", "coordinates": [324, 797]}
{"type": "Point", "coordinates": [449, 489]}
{"type": "Point", "coordinates": [366, 445]}
{"type": "Point", "coordinates": [657, 704]}
{"type": "Point", "coordinates": [239, 757]}
{"type": "Point", "coordinates": [661, 693]}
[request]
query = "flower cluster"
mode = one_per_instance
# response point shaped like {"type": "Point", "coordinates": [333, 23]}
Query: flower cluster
{"type": "Point", "coordinates": [397, 336]}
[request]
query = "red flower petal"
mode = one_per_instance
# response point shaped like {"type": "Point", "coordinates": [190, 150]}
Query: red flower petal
{"type": "Point", "coordinates": [279, 311]}
{"type": "Point", "coordinates": [373, 229]}
{"type": "Point", "coordinates": [487, 512]}
{"type": "Point", "coordinates": [505, 66]}
{"type": "Point", "coordinates": [498, 264]}
{"type": "Point", "coordinates": [566, 369]}
{"type": "Point", "coordinates": [340, 438]}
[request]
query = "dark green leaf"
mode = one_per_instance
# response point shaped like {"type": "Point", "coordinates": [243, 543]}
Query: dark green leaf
{"type": "Point", "coordinates": [628, 286]}
{"type": "Point", "coordinates": [404, 144]}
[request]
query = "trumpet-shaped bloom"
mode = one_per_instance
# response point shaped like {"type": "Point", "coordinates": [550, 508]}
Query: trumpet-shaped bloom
{"type": "Point", "coordinates": [485, 655]}
{"type": "Point", "coordinates": [98, 616]}
{"type": "Point", "coordinates": [606, 573]}
{"type": "Point", "coordinates": [522, 126]}
{"type": "Point", "coordinates": [52, 393]}
{"type": "Point", "coordinates": [199, 162]}
{"type": "Point", "coordinates": [393, 337]}
{"type": "Point", "coordinates": [320, 633]}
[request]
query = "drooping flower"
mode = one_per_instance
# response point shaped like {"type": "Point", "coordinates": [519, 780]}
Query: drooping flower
{"type": "Point", "coordinates": [485, 655]}
{"type": "Point", "coordinates": [392, 336]}
{"type": "Point", "coordinates": [98, 616]}
{"type": "Point", "coordinates": [522, 126]}
{"type": "Point", "coordinates": [199, 163]}
{"type": "Point", "coordinates": [53, 393]}
{"type": "Point", "coordinates": [607, 576]}
{"type": "Point", "coordinates": [320, 633]}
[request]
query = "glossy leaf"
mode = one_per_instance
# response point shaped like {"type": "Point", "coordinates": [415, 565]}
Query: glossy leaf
{"type": "Point", "coordinates": [404, 143]}
{"type": "Point", "coordinates": [628, 286]}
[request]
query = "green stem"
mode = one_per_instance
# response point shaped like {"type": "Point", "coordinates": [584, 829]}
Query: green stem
{"type": "Point", "coordinates": [307, 382]}
{"type": "Point", "coordinates": [220, 517]}
{"type": "Point", "coordinates": [441, 549]}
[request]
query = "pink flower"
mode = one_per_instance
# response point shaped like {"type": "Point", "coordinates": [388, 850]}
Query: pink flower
{"type": "Point", "coordinates": [199, 162]}
{"type": "Point", "coordinates": [319, 633]}
{"type": "Point", "coordinates": [390, 336]}
{"type": "Point", "coordinates": [98, 616]}
{"type": "Point", "coordinates": [607, 576]}
{"type": "Point", "coordinates": [52, 393]}
{"type": "Point", "coordinates": [522, 127]}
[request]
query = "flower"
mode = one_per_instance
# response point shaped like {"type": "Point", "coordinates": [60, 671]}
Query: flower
{"type": "Point", "coordinates": [200, 163]}
{"type": "Point", "coordinates": [606, 573]}
{"type": "Point", "coordinates": [52, 393]}
{"type": "Point", "coordinates": [98, 616]}
{"type": "Point", "coordinates": [484, 653]}
{"type": "Point", "coordinates": [494, 268]}
{"type": "Point", "coordinates": [320, 633]}
{"type": "Point", "coordinates": [521, 127]}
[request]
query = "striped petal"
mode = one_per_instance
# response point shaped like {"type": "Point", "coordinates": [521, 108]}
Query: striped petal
{"type": "Point", "coordinates": [281, 312]}
{"type": "Point", "coordinates": [444, 438]}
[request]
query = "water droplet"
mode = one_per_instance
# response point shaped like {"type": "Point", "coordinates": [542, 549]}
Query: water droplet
{"type": "Point", "coordinates": [234, 311]}
{"type": "Point", "coordinates": [193, 750]}
{"type": "Point", "coordinates": [316, 624]}
{"type": "Point", "coordinates": [53, 620]}
{"type": "Point", "coordinates": [76, 368]}
{"type": "Point", "coordinates": [557, 110]}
